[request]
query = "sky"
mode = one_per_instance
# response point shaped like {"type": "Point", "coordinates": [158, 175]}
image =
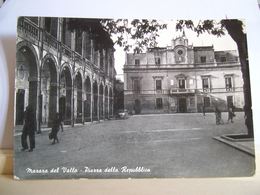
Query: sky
{"type": "Point", "coordinates": [165, 36]}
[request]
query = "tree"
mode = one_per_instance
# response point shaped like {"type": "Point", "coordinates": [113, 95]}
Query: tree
{"type": "Point", "coordinates": [118, 95]}
{"type": "Point", "coordinates": [129, 34]}
{"type": "Point", "coordinates": [135, 34]}
{"type": "Point", "coordinates": [235, 29]}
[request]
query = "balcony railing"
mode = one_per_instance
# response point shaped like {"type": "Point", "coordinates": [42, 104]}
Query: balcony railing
{"type": "Point", "coordinates": [181, 91]}
{"type": "Point", "coordinates": [146, 92]}
{"type": "Point", "coordinates": [66, 50]}
{"type": "Point", "coordinates": [158, 66]}
{"type": "Point", "coordinates": [28, 28]}
{"type": "Point", "coordinates": [176, 91]}
{"type": "Point", "coordinates": [50, 40]}
{"type": "Point", "coordinates": [192, 65]}
{"type": "Point", "coordinates": [77, 56]}
{"type": "Point", "coordinates": [221, 90]}
{"type": "Point", "coordinates": [206, 90]}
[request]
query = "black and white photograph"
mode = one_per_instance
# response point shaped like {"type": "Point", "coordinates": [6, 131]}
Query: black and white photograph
{"type": "Point", "coordinates": [132, 98]}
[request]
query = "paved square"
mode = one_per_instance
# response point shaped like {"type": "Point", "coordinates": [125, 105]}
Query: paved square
{"type": "Point", "coordinates": [167, 145]}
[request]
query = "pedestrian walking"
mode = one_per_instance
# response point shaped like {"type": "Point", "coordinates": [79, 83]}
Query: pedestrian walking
{"type": "Point", "coordinates": [55, 129]}
{"type": "Point", "coordinates": [28, 129]}
{"type": "Point", "coordinates": [203, 110]}
{"type": "Point", "coordinates": [231, 113]}
{"type": "Point", "coordinates": [61, 121]}
{"type": "Point", "coordinates": [218, 116]}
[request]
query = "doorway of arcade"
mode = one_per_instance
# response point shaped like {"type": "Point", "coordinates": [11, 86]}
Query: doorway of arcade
{"type": "Point", "coordinates": [182, 104]}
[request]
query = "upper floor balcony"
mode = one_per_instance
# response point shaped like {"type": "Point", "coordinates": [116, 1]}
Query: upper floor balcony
{"type": "Point", "coordinates": [156, 66]}
{"type": "Point", "coordinates": [181, 91]}
{"type": "Point", "coordinates": [181, 66]}
{"type": "Point", "coordinates": [220, 90]}
{"type": "Point", "coordinates": [33, 33]}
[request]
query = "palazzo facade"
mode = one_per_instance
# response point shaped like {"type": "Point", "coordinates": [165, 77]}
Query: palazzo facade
{"type": "Point", "coordinates": [182, 78]}
{"type": "Point", "coordinates": [63, 65]}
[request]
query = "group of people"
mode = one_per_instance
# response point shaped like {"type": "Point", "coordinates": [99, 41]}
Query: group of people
{"type": "Point", "coordinates": [57, 123]}
{"type": "Point", "coordinates": [30, 127]}
{"type": "Point", "coordinates": [219, 120]}
{"type": "Point", "coordinates": [231, 115]}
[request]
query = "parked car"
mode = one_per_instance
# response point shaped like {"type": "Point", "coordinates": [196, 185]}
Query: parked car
{"type": "Point", "coordinates": [122, 114]}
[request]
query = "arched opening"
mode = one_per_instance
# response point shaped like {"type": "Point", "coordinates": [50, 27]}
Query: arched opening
{"type": "Point", "coordinates": [87, 103]}
{"type": "Point", "coordinates": [78, 98]}
{"type": "Point", "coordinates": [26, 82]}
{"type": "Point", "coordinates": [65, 95]}
{"type": "Point", "coordinates": [48, 98]}
{"type": "Point", "coordinates": [95, 101]}
{"type": "Point", "coordinates": [101, 101]}
{"type": "Point", "coordinates": [106, 103]}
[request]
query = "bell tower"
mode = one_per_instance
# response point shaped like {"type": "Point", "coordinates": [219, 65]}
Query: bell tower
{"type": "Point", "coordinates": [180, 45]}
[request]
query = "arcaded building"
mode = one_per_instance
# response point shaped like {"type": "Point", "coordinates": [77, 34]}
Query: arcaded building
{"type": "Point", "coordinates": [63, 65]}
{"type": "Point", "coordinates": [182, 78]}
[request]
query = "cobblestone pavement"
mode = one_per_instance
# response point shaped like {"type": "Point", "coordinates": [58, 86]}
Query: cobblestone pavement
{"type": "Point", "coordinates": [168, 145]}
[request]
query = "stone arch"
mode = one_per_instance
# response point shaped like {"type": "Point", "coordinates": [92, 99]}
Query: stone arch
{"type": "Point", "coordinates": [67, 66]}
{"type": "Point", "coordinates": [49, 56]}
{"type": "Point", "coordinates": [87, 102]}
{"type": "Point", "coordinates": [106, 102]}
{"type": "Point", "coordinates": [27, 77]}
{"type": "Point", "coordinates": [49, 88]}
{"type": "Point", "coordinates": [79, 71]}
{"type": "Point", "coordinates": [95, 100]}
{"type": "Point", "coordinates": [101, 100]}
{"type": "Point", "coordinates": [110, 101]}
{"type": "Point", "coordinates": [78, 83]}
{"type": "Point", "coordinates": [25, 44]}
{"type": "Point", "coordinates": [65, 100]}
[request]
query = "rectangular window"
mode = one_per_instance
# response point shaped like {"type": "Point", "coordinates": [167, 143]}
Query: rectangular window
{"type": "Point", "coordinates": [157, 61]}
{"type": "Point", "coordinates": [192, 102]}
{"type": "Point", "coordinates": [229, 101]}
{"type": "Point", "coordinates": [203, 59]}
{"type": "Point", "coordinates": [48, 24]}
{"type": "Point", "coordinates": [66, 34]}
{"type": "Point", "coordinates": [96, 56]}
{"type": "Point", "coordinates": [206, 101]}
{"type": "Point", "coordinates": [158, 84]}
{"type": "Point", "coordinates": [101, 59]}
{"type": "Point", "coordinates": [51, 26]}
{"type": "Point", "coordinates": [223, 59]}
{"type": "Point", "coordinates": [228, 82]}
{"type": "Point", "coordinates": [137, 62]}
{"type": "Point", "coordinates": [78, 42]}
{"type": "Point", "coordinates": [136, 85]}
{"type": "Point", "coordinates": [205, 83]}
{"type": "Point", "coordinates": [182, 83]}
{"type": "Point", "coordinates": [159, 104]}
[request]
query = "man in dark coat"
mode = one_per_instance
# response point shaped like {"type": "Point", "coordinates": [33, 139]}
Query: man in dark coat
{"type": "Point", "coordinates": [231, 113]}
{"type": "Point", "coordinates": [28, 129]}
{"type": "Point", "coordinates": [203, 110]}
{"type": "Point", "coordinates": [61, 121]}
{"type": "Point", "coordinates": [55, 128]}
{"type": "Point", "coordinates": [218, 116]}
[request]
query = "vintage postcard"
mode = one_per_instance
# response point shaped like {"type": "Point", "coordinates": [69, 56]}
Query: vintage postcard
{"type": "Point", "coordinates": [132, 98]}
